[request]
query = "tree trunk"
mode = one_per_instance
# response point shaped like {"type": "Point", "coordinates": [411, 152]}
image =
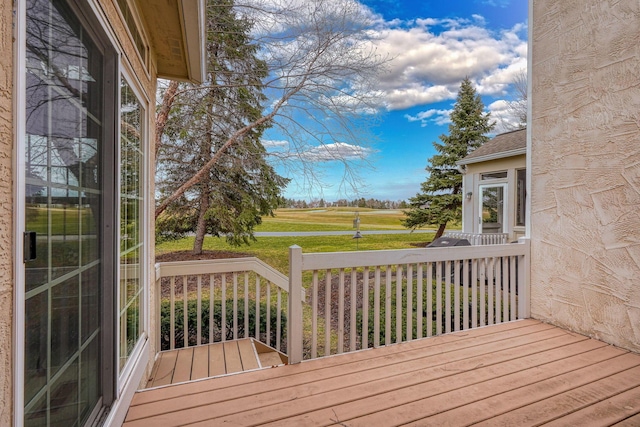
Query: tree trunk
{"type": "Point", "coordinates": [201, 226]}
{"type": "Point", "coordinates": [440, 231]}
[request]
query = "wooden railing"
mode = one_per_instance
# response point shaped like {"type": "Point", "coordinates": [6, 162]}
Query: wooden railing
{"type": "Point", "coordinates": [480, 239]}
{"type": "Point", "coordinates": [226, 299]}
{"type": "Point", "coordinates": [374, 298]}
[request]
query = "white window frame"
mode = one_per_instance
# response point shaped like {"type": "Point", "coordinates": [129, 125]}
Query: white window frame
{"type": "Point", "coordinates": [143, 340]}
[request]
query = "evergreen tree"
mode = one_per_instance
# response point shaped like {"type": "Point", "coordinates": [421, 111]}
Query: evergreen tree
{"type": "Point", "coordinates": [241, 187]}
{"type": "Point", "coordinates": [440, 198]}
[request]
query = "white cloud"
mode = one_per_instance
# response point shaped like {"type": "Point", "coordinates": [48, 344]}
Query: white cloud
{"type": "Point", "coordinates": [432, 56]}
{"type": "Point", "coordinates": [439, 117]}
{"type": "Point", "coordinates": [337, 151]}
{"type": "Point", "coordinates": [270, 143]}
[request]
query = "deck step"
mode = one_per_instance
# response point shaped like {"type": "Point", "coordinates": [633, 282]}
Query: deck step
{"type": "Point", "coordinates": [211, 360]}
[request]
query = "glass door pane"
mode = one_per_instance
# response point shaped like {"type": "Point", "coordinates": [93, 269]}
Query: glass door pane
{"type": "Point", "coordinates": [492, 209]}
{"type": "Point", "coordinates": [64, 197]}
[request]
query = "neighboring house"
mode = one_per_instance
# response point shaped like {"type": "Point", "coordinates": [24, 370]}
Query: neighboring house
{"type": "Point", "coordinates": [494, 186]}
{"type": "Point", "coordinates": [78, 83]}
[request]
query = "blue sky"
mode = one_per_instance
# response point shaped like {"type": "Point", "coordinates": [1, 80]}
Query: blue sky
{"type": "Point", "coordinates": [434, 45]}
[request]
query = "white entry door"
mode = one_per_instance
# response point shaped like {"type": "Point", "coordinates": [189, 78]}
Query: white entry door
{"type": "Point", "coordinates": [492, 214]}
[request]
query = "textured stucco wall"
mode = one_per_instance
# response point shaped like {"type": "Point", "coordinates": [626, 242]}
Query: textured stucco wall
{"type": "Point", "coordinates": [6, 213]}
{"type": "Point", "coordinates": [585, 129]}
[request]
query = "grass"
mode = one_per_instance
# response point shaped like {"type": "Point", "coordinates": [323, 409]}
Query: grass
{"type": "Point", "coordinates": [275, 250]}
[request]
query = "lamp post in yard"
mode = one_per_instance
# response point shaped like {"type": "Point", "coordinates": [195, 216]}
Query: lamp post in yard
{"type": "Point", "coordinates": [356, 225]}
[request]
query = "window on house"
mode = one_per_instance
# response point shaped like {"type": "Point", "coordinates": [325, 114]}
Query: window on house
{"type": "Point", "coordinates": [137, 38]}
{"type": "Point", "coordinates": [132, 159]}
{"type": "Point", "coordinates": [493, 175]}
{"type": "Point", "coordinates": [521, 196]}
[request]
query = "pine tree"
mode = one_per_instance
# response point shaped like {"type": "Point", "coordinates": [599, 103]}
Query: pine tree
{"type": "Point", "coordinates": [241, 187]}
{"type": "Point", "coordinates": [440, 199]}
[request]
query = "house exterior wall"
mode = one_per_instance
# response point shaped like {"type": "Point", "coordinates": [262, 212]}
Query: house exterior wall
{"type": "Point", "coordinates": [585, 177]}
{"type": "Point", "coordinates": [6, 213]}
{"type": "Point", "coordinates": [472, 180]}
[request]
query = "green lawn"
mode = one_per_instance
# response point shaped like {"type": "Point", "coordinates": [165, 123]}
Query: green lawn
{"type": "Point", "coordinates": [275, 250]}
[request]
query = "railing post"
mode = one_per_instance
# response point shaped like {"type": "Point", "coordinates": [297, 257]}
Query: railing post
{"type": "Point", "coordinates": [158, 308]}
{"type": "Point", "coordinates": [294, 318]}
{"type": "Point", "coordinates": [524, 281]}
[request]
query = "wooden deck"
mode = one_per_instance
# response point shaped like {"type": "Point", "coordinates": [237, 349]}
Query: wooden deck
{"type": "Point", "coordinates": [514, 374]}
{"type": "Point", "coordinates": [194, 363]}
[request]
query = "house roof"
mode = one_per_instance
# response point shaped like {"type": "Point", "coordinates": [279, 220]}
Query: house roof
{"type": "Point", "coordinates": [507, 144]}
{"type": "Point", "coordinates": [177, 32]}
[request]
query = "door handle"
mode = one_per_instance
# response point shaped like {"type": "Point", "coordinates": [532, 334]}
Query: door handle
{"type": "Point", "coordinates": [29, 249]}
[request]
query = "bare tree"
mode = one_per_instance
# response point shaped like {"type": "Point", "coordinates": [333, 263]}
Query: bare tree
{"type": "Point", "coordinates": [514, 116]}
{"type": "Point", "coordinates": [322, 72]}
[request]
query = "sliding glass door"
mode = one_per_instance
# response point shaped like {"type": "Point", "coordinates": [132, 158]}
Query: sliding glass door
{"type": "Point", "coordinates": [67, 260]}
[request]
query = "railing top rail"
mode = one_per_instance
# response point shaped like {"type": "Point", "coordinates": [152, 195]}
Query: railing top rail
{"type": "Point", "coordinates": [319, 261]}
{"type": "Point", "coordinates": [227, 265]}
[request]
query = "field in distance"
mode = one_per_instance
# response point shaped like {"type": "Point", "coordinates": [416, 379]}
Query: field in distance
{"type": "Point", "coordinates": [332, 219]}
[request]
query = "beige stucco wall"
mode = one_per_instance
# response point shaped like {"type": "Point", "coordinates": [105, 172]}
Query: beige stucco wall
{"type": "Point", "coordinates": [585, 154]}
{"type": "Point", "coordinates": [6, 213]}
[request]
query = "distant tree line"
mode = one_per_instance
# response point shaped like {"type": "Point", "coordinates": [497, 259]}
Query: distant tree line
{"type": "Point", "coordinates": [355, 203]}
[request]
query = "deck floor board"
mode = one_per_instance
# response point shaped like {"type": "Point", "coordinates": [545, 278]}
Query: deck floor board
{"type": "Point", "coordinates": [522, 373]}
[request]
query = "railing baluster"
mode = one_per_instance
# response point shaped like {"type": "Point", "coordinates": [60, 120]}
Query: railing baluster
{"type": "Point", "coordinates": [376, 307]}
{"type": "Point", "coordinates": [172, 314]}
{"type": "Point", "coordinates": [211, 307]}
{"type": "Point", "coordinates": [456, 295]}
{"type": "Point", "coordinates": [483, 291]}
{"type": "Point", "coordinates": [199, 314]}
{"type": "Point", "coordinates": [474, 293]}
{"type": "Point", "coordinates": [327, 313]}
{"type": "Point", "coordinates": [429, 286]}
{"type": "Point", "coordinates": [235, 306]}
{"type": "Point", "coordinates": [352, 309]}
{"type": "Point", "coordinates": [447, 296]}
{"type": "Point", "coordinates": [223, 303]}
{"type": "Point", "coordinates": [512, 287]}
{"type": "Point", "coordinates": [185, 312]}
{"type": "Point", "coordinates": [419, 301]}
{"type": "Point", "coordinates": [258, 296]}
{"type": "Point", "coordinates": [465, 294]}
{"type": "Point", "coordinates": [365, 308]}
{"type": "Point", "coordinates": [409, 302]}
{"type": "Point", "coordinates": [398, 303]}
{"type": "Point", "coordinates": [268, 326]}
{"type": "Point", "coordinates": [341, 311]}
{"type": "Point", "coordinates": [505, 289]}
{"type": "Point", "coordinates": [314, 316]}
{"type": "Point", "coordinates": [498, 293]}
{"type": "Point", "coordinates": [246, 304]}
{"type": "Point", "coordinates": [387, 307]}
{"type": "Point", "coordinates": [490, 286]}
{"type": "Point", "coordinates": [439, 298]}
{"type": "Point", "coordinates": [279, 319]}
